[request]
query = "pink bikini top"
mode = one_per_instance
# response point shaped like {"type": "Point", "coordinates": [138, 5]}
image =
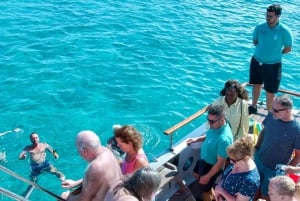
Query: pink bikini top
{"type": "Point", "coordinates": [128, 167]}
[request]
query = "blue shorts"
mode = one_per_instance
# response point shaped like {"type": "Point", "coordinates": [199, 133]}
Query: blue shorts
{"type": "Point", "coordinates": [265, 175]}
{"type": "Point", "coordinates": [38, 168]}
{"type": "Point", "coordinates": [267, 74]}
{"type": "Point", "coordinates": [203, 168]}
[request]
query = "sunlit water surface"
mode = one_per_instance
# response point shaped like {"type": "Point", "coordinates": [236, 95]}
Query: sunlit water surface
{"type": "Point", "coordinates": [72, 65]}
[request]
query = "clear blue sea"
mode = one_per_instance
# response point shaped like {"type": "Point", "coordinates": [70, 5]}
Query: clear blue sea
{"type": "Point", "coordinates": [68, 65]}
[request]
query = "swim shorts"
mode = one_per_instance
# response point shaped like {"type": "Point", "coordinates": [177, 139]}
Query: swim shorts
{"type": "Point", "coordinates": [267, 74]}
{"type": "Point", "coordinates": [38, 168]}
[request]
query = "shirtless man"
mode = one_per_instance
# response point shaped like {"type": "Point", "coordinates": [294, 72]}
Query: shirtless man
{"type": "Point", "coordinates": [38, 162]}
{"type": "Point", "coordinates": [102, 172]}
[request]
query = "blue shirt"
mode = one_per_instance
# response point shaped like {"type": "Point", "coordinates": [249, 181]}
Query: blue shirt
{"type": "Point", "coordinates": [245, 183]}
{"type": "Point", "coordinates": [216, 143]}
{"type": "Point", "coordinates": [279, 141]}
{"type": "Point", "coordinates": [271, 42]}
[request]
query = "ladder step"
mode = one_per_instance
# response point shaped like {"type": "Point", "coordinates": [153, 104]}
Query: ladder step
{"type": "Point", "coordinates": [12, 195]}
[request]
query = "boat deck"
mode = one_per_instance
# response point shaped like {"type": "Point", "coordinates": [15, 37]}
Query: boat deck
{"type": "Point", "coordinates": [193, 193]}
{"type": "Point", "coordinates": [262, 113]}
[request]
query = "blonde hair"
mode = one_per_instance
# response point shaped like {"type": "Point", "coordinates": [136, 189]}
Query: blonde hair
{"type": "Point", "coordinates": [284, 185]}
{"type": "Point", "coordinates": [241, 148]}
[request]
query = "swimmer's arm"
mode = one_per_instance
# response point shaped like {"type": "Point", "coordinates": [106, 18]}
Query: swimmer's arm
{"type": "Point", "coordinates": [52, 151]}
{"type": "Point", "coordinates": [22, 155]}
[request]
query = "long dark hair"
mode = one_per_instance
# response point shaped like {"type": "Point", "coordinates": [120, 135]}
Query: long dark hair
{"type": "Point", "coordinates": [234, 84]}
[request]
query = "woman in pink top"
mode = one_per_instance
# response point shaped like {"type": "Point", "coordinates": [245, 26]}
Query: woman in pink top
{"type": "Point", "coordinates": [130, 141]}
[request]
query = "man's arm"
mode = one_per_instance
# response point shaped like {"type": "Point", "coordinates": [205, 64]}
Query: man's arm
{"type": "Point", "coordinates": [22, 155]}
{"type": "Point", "coordinates": [286, 50]}
{"type": "Point", "coordinates": [255, 42]}
{"type": "Point", "coordinates": [198, 139]}
{"type": "Point", "coordinates": [51, 150]}
{"type": "Point", "coordinates": [296, 159]}
{"type": "Point", "coordinates": [93, 184]}
{"type": "Point", "coordinates": [68, 183]}
{"type": "Point", "coordinates": [214, 170]}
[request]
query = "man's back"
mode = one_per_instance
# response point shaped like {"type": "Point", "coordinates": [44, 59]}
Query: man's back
{"type": "Point", "coordinates": [102, 173]}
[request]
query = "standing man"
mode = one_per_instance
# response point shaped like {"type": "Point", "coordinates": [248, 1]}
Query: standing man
{"type": "Point", "coordinates": [38, 162]}
{"type": "Point", "coordinates": [277, 141]}
{"type": "Point", "coordinates": [213, 151]}
{"type": "Point", "coordinates": [102, 172]}
{"type": "Point", "coordinates": [272, 39]}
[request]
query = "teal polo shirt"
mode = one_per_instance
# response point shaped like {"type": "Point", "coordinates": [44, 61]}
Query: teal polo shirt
{"type": "Point", "coordinates": [271, 41]}
{"type": "Point", "coordinates": [216, 143]}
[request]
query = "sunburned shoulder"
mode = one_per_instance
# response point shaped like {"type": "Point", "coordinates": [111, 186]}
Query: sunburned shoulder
{"type": "Point", "coordinates": [105, 158]}
{"type": "Point", "coordinates": [43, 145]}
{"type": "Point", "coordinates": [98, 169]}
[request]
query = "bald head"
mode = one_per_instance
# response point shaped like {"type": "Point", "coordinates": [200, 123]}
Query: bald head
{"type": "Point", "coordinates": [87, 139]}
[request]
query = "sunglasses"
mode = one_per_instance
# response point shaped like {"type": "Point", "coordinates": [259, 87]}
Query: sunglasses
{"type": "Point", "coordinates": [279, 110]}
{"type": "Point", "coordinates": [212, 121]}
{"type": "Point", "coordinates": [235, 161]}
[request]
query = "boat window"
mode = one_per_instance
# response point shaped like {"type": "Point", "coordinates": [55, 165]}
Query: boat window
{"type": "Point", "coordinates": [188, 163]}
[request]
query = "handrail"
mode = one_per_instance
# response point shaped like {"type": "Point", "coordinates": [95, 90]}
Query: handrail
{"type": "Point", "coordinates": [8, 171]}
{"type": "Point", "coordinates": [284, 91]}
{"type": "Point", "coordinates": [169, 131]}
{"type": "Point", "coordinates": [185, 121]}
{"type": "Point", "coordinates": [12, 195]}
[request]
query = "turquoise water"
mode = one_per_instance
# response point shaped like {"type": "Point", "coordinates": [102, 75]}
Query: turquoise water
{"type": "Point", "coordinates": [72, 65]}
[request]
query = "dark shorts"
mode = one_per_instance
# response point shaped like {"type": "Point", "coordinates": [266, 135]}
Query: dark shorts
{"type": "Point", "coordinates": [203, 168]}
{"type": "Point", "coordinates": [267, 74]}
{"type": "Point", "coordinates": [38, 168]}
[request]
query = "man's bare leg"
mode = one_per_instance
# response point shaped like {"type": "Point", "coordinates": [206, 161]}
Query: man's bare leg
{"type": "Point", "coordinates": [270, 98]}
{"type": "Point", "coordinates": [255, 94]}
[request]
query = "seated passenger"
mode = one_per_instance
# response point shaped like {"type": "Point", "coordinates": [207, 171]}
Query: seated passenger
{"type": "Point", "coordinates": [130, 141]}
{"type": "Point", "coordinates": [213, 151]}
{"type": "Point", "coordinates": [234, 100]}
{"type": "Point", "coordinates": [141, 185]}
{"type": "Point", "coordinates": [241, 179]}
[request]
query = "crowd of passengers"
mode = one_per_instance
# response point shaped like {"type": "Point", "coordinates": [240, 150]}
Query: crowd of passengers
{"type": "Point", "coordinates": [232, 166]}
{"type": "Point", "coordinates": [250, 165]}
